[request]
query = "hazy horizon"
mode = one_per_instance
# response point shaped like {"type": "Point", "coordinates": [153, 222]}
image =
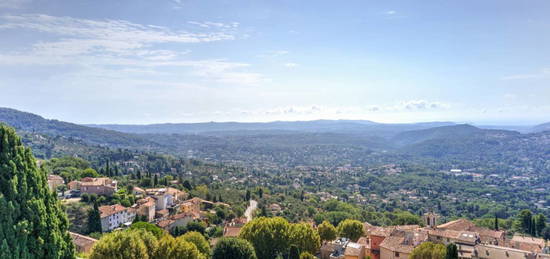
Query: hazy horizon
{"type": "Point", "coordinates": [143, 62]}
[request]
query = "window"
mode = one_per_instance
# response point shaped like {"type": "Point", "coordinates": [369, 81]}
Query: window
{"type": "Point", "coordinates": [396, 254]}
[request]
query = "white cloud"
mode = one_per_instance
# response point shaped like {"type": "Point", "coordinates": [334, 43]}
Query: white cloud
{"type": "Point", "coordinates": [391, 12]}
{"type": "Point", "coordinates": [99, 45]}
{"type": "Point", "coordinates": [421, 105]}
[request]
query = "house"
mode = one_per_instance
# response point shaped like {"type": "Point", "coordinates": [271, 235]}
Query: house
{"type": "Point", "coordinates": [487, 236]}
{"type": "Point", "coordinates": [54, 181]}
{"type": "Point", "coordinates": [82, 243]}
{"type": "Point", "coordinates": [531, 244]}
{"type": "Point", "coordinates": [178, 220]}
{"type": "Point", "coordinates": [334, 249]}
{"type": "Point", "coordinates": [74, 185]}
{"type": "Point", "coordinates": [146, 208]}
{"type": "Point", "coordinates": [464, 240]}
{"type": "Point", "coordinates": [231, 231]}
{"type": "Point", "coordinates": [354, 251]}
{"type": "Point", "coordinates": [114, 216]}
{"type": "Point", "coordinates": [375, 236]}
{"type": "Point", "coordinates": [193, 205]}
{"type": "Point", "coordinates": [233, 228]}
{"type": "Point", "coordinates": [166, 197]}
{"type": "Point", "coordinates": [486, 251]}
{"type": "Point", "coordinates": [400, 243]}
{"type": "Point", "coordinates": [99, 186]}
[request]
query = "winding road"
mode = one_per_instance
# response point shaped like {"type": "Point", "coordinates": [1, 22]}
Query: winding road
{"type": "Point", "coordinates": [248, 213]}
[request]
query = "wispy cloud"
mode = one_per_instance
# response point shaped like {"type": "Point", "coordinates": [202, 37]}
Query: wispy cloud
{"type": "Point", "coordinates": [545, 72]}
{"type": "Point", "coordinates": [390, 12]}
{"type": "Point", "coordinates": [107, 43]}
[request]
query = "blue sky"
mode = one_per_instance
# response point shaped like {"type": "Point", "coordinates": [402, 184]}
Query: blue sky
{"type": "Point", "coordinates": [205, 60]}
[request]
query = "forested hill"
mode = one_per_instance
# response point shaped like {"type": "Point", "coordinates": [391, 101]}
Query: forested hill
{"type": "Point", "coordinates": [331, 146]}
{"type": "Point", "coordinates": [31, 123]}
{"type": "Point", "coordinates": [461, 131]}
{"type": "Point", "coordinates": [542, 127]}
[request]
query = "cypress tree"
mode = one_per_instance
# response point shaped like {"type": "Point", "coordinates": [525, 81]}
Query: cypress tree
{"type": "Point", "coordinates": [32, 222]}
{"type": "Point", "coordinates": [496, 222]}
{"type": "Point", "coordinates": [94, 219]}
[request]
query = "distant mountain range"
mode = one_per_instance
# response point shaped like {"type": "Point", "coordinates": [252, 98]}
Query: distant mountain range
{"type": "Point", "coordinates": [289, 143]}
{"type": "Point", "coordinates": [217, 128]}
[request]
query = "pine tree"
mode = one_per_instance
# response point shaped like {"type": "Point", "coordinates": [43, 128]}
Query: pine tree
{"type": "Point", "coordinates": [32, 223]}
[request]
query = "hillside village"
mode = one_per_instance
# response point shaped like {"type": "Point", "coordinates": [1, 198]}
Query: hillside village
{"type": "Point", "coordinates": [170, 208]}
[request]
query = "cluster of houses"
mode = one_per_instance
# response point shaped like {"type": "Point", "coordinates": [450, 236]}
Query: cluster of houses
{"type": "Point", "coordinates": [166, 207]}
{"type": "Point", "coordinates": [398, 242]}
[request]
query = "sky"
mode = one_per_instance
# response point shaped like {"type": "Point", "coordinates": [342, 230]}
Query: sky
{"type": "Point", "coordinates": [144, 61]}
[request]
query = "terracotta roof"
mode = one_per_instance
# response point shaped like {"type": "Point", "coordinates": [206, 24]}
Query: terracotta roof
{"type": "Point", "coordinates": [55, 177]}
{"type": "Point", "coordinates": [492, 251]}
{"type": "Point", "coordinates": [109, 210]}
{"type": "Point", "coordinates": [528, 243]}
{"type": "Point", "coordinates": [163, 213]}
{"type": "Point", "coordinates": [165, 223]}
{"type": "Point", "coordinates": [231, 231]}
{"type": "Point", "coordinates": [148, 201]}
{"type": "Point", "coordinates": [531, 240]}
{"type": "Point", "coordinates": [386, 231]}
{"type": "Point", "coordinates": [403, 241]}
{"type": "Point", "coordinates": [466, 225]}
{"type": "Point", "coordinates": [465, 236]}
{"type": "Point", "coordinates": [182, 215]}
{"type": "Point", "coordinates": [81, 240]}
{"type": "Point", "coordinates": [104, 181]}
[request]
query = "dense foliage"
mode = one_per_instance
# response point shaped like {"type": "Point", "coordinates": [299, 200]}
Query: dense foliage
{"type": "Point", "coordinates": [32, 223]}
{"type": "Point", "coordinates": [233, 248]}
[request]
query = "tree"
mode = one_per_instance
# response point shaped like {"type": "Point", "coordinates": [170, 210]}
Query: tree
{"type": "Point", "coordinates": [540, 224]}
{"type": "Point", "coordinates": [151, 228]}
{"type": "Point", "coordinates": [429, 250]}
{"type": "Point", "coordinates": [524, 221]}
{"type": "Point", "coordinates": [327, 232]}
{"type": "Point", "coordinates": [62, 188]}
{"type": "Point", "coordinates": [496, 222]}
{"type": "Point", "coordinates": [352, 229]}
{"type": "Point", "coordinates": [126, 244]}
{"type": "Point", "coordinates": [247, 196]}
{"type": "Point", "coordinates": [545, 233]}
{"type": "Point", "coordinates": [32, 222]}
{"type": "Point", "coordinates": [177, 248]}
{"type": "Point", "coordinates": [197, 226]}
{"type": "Point", "coordinates": [94, 219]}
{"type": "Point", "coordinates": [269, 236]}
{"type": "Point", "coordinates": [306, 255]}
{"type": "Point", "coordinates": [406, 218]}
{"type": "Point", "coordinates": [233, 248]}
{"type": "Point", "coordinates": [198, 240]}
{"type": "Point", "coordinates": [294, 252]}
{"type": "Point", "coordinates": [304, 237]}
{"type": "Point", "coordinates": [452, 251]}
